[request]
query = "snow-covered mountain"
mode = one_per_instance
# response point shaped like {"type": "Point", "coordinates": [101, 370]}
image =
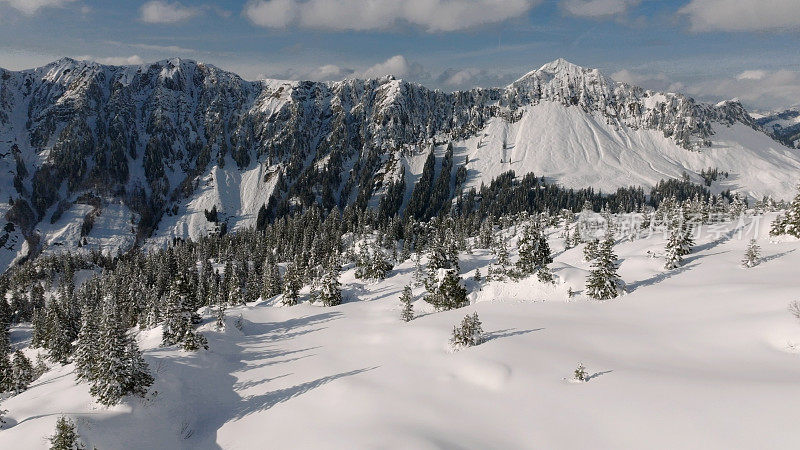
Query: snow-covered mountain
{"type": "Point", "coordinates": [784, 126]}
{"type": "Point", "coordinates": [106, 157]}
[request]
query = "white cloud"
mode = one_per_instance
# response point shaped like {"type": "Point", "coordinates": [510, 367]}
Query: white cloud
{"type": "Point", "coordinates": [398, 66]}
{"type": "Point", "coordinates": [597, 8]}
{"type": "Point", "coordinates": [761, 89]}
{"type": "Point", "coordinates": [272, 14]}
{"type": "Point", "coordinates": [752, 75]}
{"type": "Point", "coordinates": [359, 15]}
{"type": "Point", "coordinates": [656, 81]}
{"type": "Point", "coordinates": [157, 11]}
{"type": "Point", "coordinates": [742, 15]}
{"type": "Point", "coordinates": [133, 60]}
{"type": "Point", "coordinates": [31, 7]}
{"type": "Point", "coordinates": [460, 79]}
{"type": "Point", "coordinates": [329, 72]}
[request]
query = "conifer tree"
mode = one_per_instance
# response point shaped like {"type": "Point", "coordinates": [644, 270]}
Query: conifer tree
{"type": "Point", "coordinates": [22, 371]}
{"type": "Point", "coordinates": [109, 373]}
{"type": "Point", "coordinates": [65, 437]}
{"type": "Point", "coordinates": [603, 283]}
{"type": "Point", "coordinates": [119, 368]}
{"type": "Point", "coordinates": [534, 253]}
{"type": "Point", "coordinates": [291, 285]}
{"type": "Point", "coordinates": [449, 294]}
{"type": "Point", "coordinates": [220, 313]}
{"type": "Point", "coordinates": [86, 347]}
{"type": "Point", "coordinates": [270, 278]}
{"type": "Point", "coordinates": [193, 340]}
{"type": "Point", "coordinates": [679, 242]}
{"type": "Point", "coordinates": [580, 373]}
{"type": "Point", "coordinates": [469, 333]}
{"type": "Point", "coordinates": [752, 255]}
{"type": "Point", "coordinates": [407, 313]}
{"type": "Point", "coordinates": [789, 223]}
{"type": "Point", "coordinates": [330, 290]}
{"type": "Point", "coordinates": [6, 370]}
{"type": "Point", "coordinates": [590, 250]}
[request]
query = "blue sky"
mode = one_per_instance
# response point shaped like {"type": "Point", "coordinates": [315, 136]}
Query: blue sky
{"type": "Point", "coordinates": [711, 49]}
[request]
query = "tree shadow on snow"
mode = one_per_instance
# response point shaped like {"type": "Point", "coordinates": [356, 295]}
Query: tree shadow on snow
{"type": "Point", "coordinates": [263, 402]}
{"type": "Point", "coordinates": [658, 278]}
{"type": "Point", "coordinates": [775, 256]}
{"type": "Point", "coordinates": [597, 374]}
{"type": "Point", "coordinates": [508, 332]}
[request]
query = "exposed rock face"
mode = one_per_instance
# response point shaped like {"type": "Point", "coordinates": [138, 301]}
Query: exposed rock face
{"type": "Point", "coordinates": [783, 126]}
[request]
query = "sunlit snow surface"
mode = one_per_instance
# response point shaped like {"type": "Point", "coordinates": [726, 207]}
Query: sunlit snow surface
{"type": "Point", "coordinates": [699, 357]}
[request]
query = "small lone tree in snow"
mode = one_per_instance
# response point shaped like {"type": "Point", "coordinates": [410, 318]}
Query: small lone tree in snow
{"type": "Point", "coordinates": [752, 255]}
{"type": "Point", "coordinates": [65, 438]}
{"type": "Point", "coordinates": [679, 242]}
{"type": "Point", "coordinates": [407, 314]}
{"type": "Point", "coordinates": [794, 308]}
{"type": "Point", "coordinates": [469, 333]}
{"type": "Point", "coordinates": [603, 282]}
{"type": "Point", "coordinates": [580, 373]}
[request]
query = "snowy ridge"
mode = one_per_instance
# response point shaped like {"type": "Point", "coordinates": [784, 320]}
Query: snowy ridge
{"type": "Point", "coordinates": [171, 139]}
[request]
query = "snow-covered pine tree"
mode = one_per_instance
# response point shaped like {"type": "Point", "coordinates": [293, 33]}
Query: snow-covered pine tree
{"type": "Point", "coordinates": [379, 264]}
{"type": "Point", "coordinates": [603, 283]}
{"type": "Point", "coordinates": [590, 251]}
{"type": "Point", "coordinates": [291, 286]}
{"type": "Point", "coordinates": [469, 333]}
{"type": "Point", "coordinates": [270, 278]}
{"type": "Point", "coordinates": [788, 223]}
{"type": "Point", "coordinates": [752, 255]}
{"type": "Point", "coordinates": [679, 242]}
{"type": "Point", "coordinates": [449, 294]}
{"type": "Point", "coordinates": [580, 373]}
{"type": "Point", "coordinates": [174, 326]}
{"type": "Point", "coordinates": [220, 314]}
{"type": "Point", "coordinates": [6, 370]}
{"type": "Point", "coordinates": [65, 437]}
{"type": "Point", "coordinates": [407, 313]}
{"type": "Point", "coordinates": [110, 374]}
{"type": "Point", "coordinates": [567, 236]}
{"type": "Point", "coordinates": [419, 273]}
{"type": "Point", "coordinates": [234, 282]}
{"type": "Point", "coordinates": [501, 254]}
{"type": "Point", "coordinates": [22, 371]}
{"type": "Point", "coordinates": [86, 346]}
{"type": "Point", "coordinates": [330, 293]}
{"type": "Point", "coordinates": [193, 340]}
{"type": "Point", "coordinates": [534, 253]}
{"type": "Point", "coordinates": [138, 372]}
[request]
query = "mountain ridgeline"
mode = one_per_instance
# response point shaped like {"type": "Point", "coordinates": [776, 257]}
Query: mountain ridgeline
{"type": "Point", "coordinates": [76, 136]}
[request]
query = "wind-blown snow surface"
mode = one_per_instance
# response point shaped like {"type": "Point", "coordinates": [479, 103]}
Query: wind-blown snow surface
{"type": "Point", "coordinates": [699, 357]}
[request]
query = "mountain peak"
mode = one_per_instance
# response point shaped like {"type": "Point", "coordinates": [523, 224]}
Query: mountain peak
{"type": "Point", "coordinates": [561, 65]}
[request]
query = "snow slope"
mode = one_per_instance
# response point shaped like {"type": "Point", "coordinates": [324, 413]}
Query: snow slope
{"type": "Point", "coordinates": [577, 149]}
{"type": "Point", "coordinates": [701, 357]}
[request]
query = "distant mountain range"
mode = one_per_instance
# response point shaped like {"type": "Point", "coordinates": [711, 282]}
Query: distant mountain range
{"type": "Point", "coordinates": [106, 157]}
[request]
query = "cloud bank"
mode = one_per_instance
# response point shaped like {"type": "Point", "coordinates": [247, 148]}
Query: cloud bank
{"type": "Point", "coordinates": [359, 15]}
